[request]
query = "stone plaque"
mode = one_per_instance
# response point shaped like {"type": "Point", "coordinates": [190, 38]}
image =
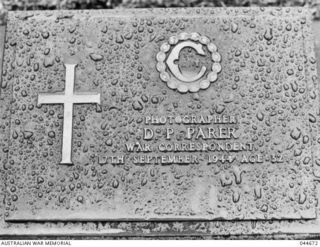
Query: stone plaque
{"type": "Point", "coordinates": [159, 115]}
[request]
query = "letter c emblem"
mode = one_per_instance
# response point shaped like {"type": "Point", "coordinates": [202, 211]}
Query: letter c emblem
{"type": "Point", "coordinates": [174, 56]}
{"type": "Point", "coordinates": [187, 81]}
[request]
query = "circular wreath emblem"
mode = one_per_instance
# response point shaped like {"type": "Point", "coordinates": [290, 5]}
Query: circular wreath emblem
{"type": "Point", "coordinates": [170, 72]}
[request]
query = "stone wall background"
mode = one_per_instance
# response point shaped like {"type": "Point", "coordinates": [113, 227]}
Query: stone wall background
{"type": "Point", "coordinates": [109, 4]}
{"type": "Point", "coordinates": [102, 4]}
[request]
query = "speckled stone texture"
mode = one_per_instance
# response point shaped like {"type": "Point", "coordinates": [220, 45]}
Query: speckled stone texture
{"type": "Point", "coordinates": [268, 81]}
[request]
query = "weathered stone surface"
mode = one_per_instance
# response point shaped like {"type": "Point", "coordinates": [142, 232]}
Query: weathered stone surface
{"type": "Point", "coordinates": [267, 82]}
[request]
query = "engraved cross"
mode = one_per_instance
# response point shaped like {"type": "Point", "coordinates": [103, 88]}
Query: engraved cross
{"type": "Point", "coordinates": [68, 98]}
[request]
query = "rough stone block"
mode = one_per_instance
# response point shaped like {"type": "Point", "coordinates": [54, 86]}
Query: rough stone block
{"type": "Point", "coordinates": [187, 122]}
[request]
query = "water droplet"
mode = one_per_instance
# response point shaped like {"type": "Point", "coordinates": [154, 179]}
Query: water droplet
{"type": "Point", "coordinates": [96, 57]}
{"type": "Point", "coordinates": [295, 133]}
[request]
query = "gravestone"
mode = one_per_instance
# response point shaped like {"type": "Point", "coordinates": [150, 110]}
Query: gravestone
{"type": "Point", "coordinates": [169, 122]}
